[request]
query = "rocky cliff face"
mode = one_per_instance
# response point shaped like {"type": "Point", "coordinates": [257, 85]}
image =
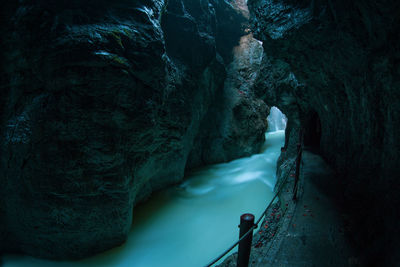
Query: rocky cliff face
{"type": "Point", "coordinates": [334, 65]}
{"type": "Point", "coordinates": [236, 125]}
{"type": "Point", "coordinates": [101, 103]}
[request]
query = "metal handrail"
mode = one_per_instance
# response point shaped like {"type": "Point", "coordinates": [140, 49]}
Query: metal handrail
{"type": "Point", "coordinates": [259, 219]}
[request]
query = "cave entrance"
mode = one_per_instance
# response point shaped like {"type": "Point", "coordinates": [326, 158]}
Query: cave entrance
{"type": "Point", "coordinates": [312, 131]}
{"type": "Point", "coordinates": [276, 120]}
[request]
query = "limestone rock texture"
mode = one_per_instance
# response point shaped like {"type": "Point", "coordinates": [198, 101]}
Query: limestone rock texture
{"type": "Point", "coordinates": [234, 127]}
{"type": "Point", "coordinates": [102, 102]}
{"type": "Point", "coordinates": [338, 62]}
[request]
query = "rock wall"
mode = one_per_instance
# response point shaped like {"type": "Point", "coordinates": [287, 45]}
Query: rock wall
{"type": "Point", "coordinates": [100, 105]}
{"type": "Point", "coordinates": [235, 126]}
{"type": "Point", "coordinates": [341, 61]}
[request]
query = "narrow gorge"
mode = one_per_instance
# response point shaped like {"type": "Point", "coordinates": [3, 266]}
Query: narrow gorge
{"type": "Point", "coordinates": [106, 104]}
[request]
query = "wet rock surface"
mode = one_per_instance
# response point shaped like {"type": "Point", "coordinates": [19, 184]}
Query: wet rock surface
{"type": "Point", "coordinates": [100, 105]}
{"type": "Point", "coordinates": [333, 68]}
{"type": "Point", "coordinates": [235, 126]}
{"type": "Point", "coordinates": [309, 231]}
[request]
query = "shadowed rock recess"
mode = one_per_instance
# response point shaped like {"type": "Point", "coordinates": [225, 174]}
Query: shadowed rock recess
{"type": "Point", "coordinates": [101, 102]}
{"type": "Point", "coordinates": [104, 102]}
{"type": "Point", "coordinates": [338, 62]}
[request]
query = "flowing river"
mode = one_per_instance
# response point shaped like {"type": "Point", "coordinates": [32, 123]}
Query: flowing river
{"type": "Point", "coordinates": [191, 223]}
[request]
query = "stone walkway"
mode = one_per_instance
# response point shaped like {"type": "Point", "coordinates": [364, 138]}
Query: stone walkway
{"type": "Point", "coordinates": [308, 232]}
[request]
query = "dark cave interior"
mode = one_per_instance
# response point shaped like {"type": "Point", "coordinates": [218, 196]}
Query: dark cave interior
{"type": "Point", "coordinates": [104, 104]}
{"type": "Point", "coordinates": [312, 131]}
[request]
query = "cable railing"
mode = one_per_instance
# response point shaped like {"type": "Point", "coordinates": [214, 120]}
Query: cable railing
{"type": "Point", "coordinates": [296, 163]}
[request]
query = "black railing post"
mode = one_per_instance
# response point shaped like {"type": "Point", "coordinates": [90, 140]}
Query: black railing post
{"type": "Point", "coordinates": [283, 152]}
{"type": "Point", "coordinates": [246, 223]}
{"type": "Point", "coordinates": [297, 173]}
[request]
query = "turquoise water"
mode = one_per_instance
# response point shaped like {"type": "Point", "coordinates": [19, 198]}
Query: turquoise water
{"type": "Point", "coordinates": [190, 224]}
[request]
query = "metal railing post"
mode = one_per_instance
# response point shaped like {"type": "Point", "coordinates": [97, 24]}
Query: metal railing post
{"type": "Point", "coordinates": [246, 223]}
{"type": "Point", "coordinates": [247, 226]}
{"type": "Point", "coordinates": [297, 173]}
{"type": "Point", "coordinates": [283, 152]}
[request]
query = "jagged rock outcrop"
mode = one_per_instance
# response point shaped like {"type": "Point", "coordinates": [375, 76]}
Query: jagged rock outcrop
{"type": "Point", "coordinates": [100, 105]}
{"type": "Point", "coordinates": [234, 127]}
{"type": "Point", "coordinates": [339, 61]}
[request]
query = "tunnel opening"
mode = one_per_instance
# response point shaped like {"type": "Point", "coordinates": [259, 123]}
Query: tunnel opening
{"type": "Point", "coordinates": [312, 131]}
{"type": "Point", "coordinates": [276, 120]}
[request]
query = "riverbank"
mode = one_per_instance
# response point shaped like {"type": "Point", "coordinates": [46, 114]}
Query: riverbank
{"type": "Point", "coordinates": [185, 219]}
{"type": "Point", "coordinates": [307, 232]}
